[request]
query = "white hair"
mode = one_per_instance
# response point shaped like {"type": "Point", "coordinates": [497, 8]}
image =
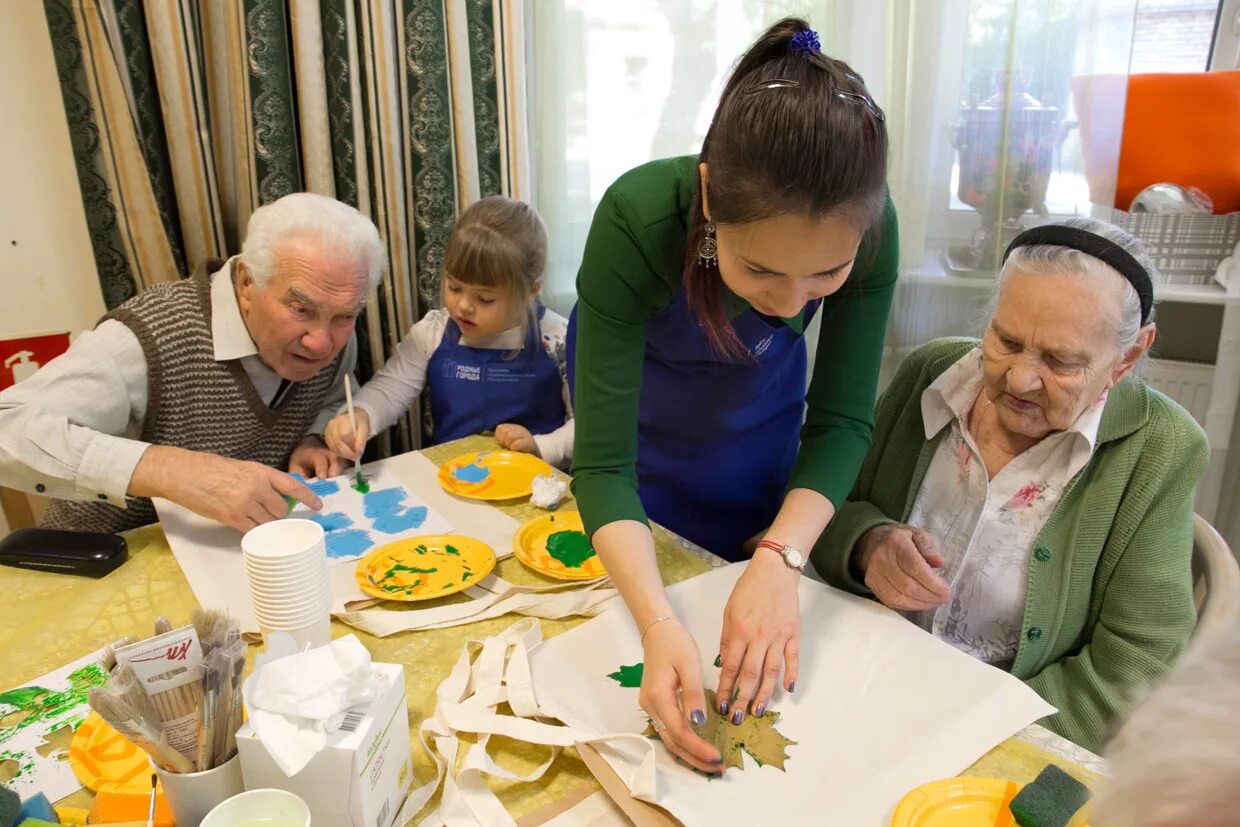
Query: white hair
{"type": "Point", "coordinates": [337, 226]}
{"type": "Point", "coordinates": [1177, 759]}
{"type": "Point", "coordinates": [1054, 260]}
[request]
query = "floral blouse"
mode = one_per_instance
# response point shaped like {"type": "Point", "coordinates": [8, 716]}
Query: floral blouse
{"type": "Point", "coordinates": [986, 528]}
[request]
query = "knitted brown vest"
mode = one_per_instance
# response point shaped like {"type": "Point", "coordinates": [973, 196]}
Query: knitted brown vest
{"type": "Point", "coordinates": [195, 402]}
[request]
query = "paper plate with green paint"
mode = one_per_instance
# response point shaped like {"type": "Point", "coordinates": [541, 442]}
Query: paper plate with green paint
{"type": "Point", "coordinates": [423, 568]}
{"type": "Point", "coordinates": [556, 545]}
{"type": "Point", "coordinates": [492, 475]}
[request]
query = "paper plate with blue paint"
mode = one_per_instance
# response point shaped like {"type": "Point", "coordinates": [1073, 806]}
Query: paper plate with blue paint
{"type": "Point", "coordinates": [423, 568]}
{"type": "Point", "coordinates": [556, 545]}
{"type": "Point", "coordinates": [492, 475]}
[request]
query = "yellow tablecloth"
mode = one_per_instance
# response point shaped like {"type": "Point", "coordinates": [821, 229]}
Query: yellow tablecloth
{"type": "Point", "coordinates": [48, 620]}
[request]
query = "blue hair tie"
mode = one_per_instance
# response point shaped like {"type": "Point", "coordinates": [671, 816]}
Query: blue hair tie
{"type": "Point", "coordinates": [806, 41]}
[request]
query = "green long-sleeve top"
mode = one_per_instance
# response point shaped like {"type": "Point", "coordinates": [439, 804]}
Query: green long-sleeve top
{"type": "Point", "coordinates": [631, 271]}
{"type": "Point", "coordinates": [1109, 601]}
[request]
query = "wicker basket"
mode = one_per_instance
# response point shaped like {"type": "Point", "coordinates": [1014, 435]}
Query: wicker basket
{"type": "Point", "coordinates": [1186, 248]}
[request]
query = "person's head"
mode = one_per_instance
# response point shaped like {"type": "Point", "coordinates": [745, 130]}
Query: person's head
{"type": "Point", "coordinates": [793, 172]}
{"type": "Point", "coordinates": [1176, 761]}
{"type": "Point", "coordinates": [306, 267]}
{"type": "Point", "coordinates": [1066, 327]}
{"type": "Point", "coordinates": [493, 266]}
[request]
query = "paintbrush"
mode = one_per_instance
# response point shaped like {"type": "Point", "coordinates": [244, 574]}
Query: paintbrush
{"type": "Point", "coordinates": [150, 814]}
{"type": "Point", "coordinates": [128, 723]}
{"type": "Point", "coordinates": [348, 401]}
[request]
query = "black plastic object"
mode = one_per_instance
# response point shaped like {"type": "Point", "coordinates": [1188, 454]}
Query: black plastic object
{"type": "Point", "coordinates": [66, 552]}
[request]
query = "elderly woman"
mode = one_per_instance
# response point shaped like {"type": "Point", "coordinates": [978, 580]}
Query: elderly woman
{"type": "Point", "coordinates": [1027, 499]}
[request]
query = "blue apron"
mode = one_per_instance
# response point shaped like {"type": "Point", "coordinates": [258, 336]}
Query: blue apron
{"type": "Point", "coordinates": [475, 389]}
{"type": "Point", "coordinates": [716, 439]}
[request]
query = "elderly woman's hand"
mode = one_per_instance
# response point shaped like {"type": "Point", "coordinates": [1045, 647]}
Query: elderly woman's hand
{"type": "Point", "coordinates": [897, 563]}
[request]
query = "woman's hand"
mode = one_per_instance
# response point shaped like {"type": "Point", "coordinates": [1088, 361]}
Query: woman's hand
{"type": "Point", "coordinates": [672, 695]}
{"type": "Point", "coordinates": [340, 437]}
{"type": "Point", "coordinates": [516, 438]}
{"type": "Point", "coordinates": [761, 637]}
{"type": "Point", "coordinates": [897, 563]}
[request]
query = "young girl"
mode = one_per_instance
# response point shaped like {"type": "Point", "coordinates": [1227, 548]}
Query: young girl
{"type": "Point", "coordinates": [492, 358]}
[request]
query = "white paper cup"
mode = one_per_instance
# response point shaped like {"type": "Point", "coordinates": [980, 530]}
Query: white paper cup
{"type": "Point", "coordinates": [270, 808]}
{"type": "Point", "coordinates": [292, 618]}
{"type": "Point", "coordinates": [191, 795]}
{"type": "Point", "coordinates": [284, 594]}
{"type": "Point", "coordinates": [291, 562]}
{"type": "Point", "coordinates": [315, 634]}
{"type": "Point", "coordinates": [284, 538]}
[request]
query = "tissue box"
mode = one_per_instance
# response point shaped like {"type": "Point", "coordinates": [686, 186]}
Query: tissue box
{"type": "Point", "coordinates": [361, 777]}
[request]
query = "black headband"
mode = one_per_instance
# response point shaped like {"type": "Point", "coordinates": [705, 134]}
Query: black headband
{"type": "Point", "coordinates": [1100, 248]}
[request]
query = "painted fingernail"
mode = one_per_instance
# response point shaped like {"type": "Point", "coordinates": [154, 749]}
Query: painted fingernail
{"type": "Point", "coordinates": [792, 687]}
{"type": "Point", "coordinates": [760, 711]}
{"type": "Point", "coordinates": [698, 717]}
{"type": "Point", "coordinates": [724, 705]}
{"type": "Point", "coordinates": [718, 661]}
{"type": "Point", "coordinates": [738, 716]}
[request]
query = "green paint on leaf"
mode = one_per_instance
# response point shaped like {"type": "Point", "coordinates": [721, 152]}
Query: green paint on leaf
{"type": "Point", "coordinates": [630, 677]}
{"type": "Point", "coordinates": [572, 548]}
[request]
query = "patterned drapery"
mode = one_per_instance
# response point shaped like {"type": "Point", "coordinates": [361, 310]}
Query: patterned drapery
{"type": "Point", "coordinates": [186, 115]}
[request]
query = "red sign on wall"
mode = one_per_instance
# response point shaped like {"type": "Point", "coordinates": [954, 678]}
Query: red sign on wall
{"type": "Point", "coordinates": [19, 358]}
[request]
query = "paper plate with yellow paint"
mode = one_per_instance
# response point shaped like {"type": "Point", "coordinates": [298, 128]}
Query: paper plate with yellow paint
{"type": "Point", "coordinates": [423, 568]}
{"type": "Point", "coordinates": [958, 802]}
{"type": "Point", "coordinates": [492, 475]}
{"type": "Point", "coordinates": [107, 762]}
{"type": "Point", "coordinates": [556, 545]}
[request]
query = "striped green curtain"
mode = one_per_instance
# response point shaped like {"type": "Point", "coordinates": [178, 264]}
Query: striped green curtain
{"type": "Point", "coordinates": [186, 115]}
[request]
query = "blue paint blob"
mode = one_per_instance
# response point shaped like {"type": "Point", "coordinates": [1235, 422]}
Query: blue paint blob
{"type": "Point", "coordinates": [320, 487]}
{"type": "Point", "coordinates": [387, 510]}
{"type": "Point", "coordinates": [348, 542]}
{"type": "Point", "coordinates": [331, 522]}
{"type": "Point", "coordinates": [471, 473]}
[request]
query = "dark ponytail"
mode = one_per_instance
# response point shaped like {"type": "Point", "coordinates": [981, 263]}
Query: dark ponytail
{"type": "Point", "coordinates": [795, 132]}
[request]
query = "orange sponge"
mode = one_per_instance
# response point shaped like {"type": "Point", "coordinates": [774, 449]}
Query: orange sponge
{"type": "Point", "coordinates": [111, 808]}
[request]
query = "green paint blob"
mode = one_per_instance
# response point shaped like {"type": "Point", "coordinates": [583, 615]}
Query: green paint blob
{"type": "Point", "coordinates": [360, 484]}
{"type": "Point", "coordinates": [35, 706]}
{"type": "Point", "coordinates": [572, 548]}
{"type": "Point", "coordinates": [630, 677]}
{"type": "Point", "coordinates": [466, 576]}
{"type": "Point", "coordinates": [387, 575]}
{"type": "Point", "coordinates": [452, 550]}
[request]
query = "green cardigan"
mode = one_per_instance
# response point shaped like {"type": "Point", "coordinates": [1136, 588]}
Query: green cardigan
{"type": "Point", "coordinates": [1109, 603]}
{"type": "Point", "coordinates": [631, 271]}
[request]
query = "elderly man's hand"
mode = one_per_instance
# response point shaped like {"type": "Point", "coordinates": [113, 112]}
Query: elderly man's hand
{"type": "Point", "coordinates": [312, 459]}
{"type": "Point", "coordinates": [897, 563]}
{"type": "Point", "coordinates": [233, 492]}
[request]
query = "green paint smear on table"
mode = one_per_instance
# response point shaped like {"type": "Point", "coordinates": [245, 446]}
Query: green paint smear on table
{"type": "Point", "coordinates": [572, 548]}
{"type": "Point", "coordinates": [45, 706]}
{"type": "Point", "coordinates": [630, 677]}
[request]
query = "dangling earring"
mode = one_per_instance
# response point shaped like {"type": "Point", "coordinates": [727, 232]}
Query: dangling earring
{"type": "Point", "coordinates": [708, 249]}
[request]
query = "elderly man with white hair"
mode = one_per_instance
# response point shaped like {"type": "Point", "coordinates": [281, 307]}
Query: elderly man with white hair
{"type": "Point", "coordinates": [202, 391]}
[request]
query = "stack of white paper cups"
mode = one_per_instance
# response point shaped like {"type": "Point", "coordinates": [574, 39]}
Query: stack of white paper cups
{"type": "Point", "coordinates": [286, 563]}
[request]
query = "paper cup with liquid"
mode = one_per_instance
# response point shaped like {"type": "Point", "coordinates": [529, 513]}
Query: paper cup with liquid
{"type": "Point", "coordinates": [260, 808]}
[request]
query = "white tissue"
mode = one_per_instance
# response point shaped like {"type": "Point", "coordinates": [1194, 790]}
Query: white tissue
{"type": "Point", "coordinates": [295, 699]}
{"type": "Point", "coordinates": [548, 491]}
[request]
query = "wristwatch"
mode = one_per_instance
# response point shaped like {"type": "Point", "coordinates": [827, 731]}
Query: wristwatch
{"type": "Point", "coordinates": [794, 558]}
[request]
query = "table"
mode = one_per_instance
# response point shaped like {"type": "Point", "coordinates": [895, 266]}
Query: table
{"type": "Point", "coordinates": [48, 620]}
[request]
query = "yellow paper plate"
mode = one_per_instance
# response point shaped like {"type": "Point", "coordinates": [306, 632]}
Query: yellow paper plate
{"type": "Point", "coordinates": [556, 545]}
{"type": "Point", "coordinates": [107, 762]}
{"type": "Point", "coordinates": [492, 475]}
{"type": "Point", "coordinates": [423, 568]}
{"type": "Point", "coordinates": [958, 802]}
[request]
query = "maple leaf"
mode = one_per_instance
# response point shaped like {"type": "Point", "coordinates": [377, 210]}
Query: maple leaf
{"type": "Point", "coordinates": [756, 736]}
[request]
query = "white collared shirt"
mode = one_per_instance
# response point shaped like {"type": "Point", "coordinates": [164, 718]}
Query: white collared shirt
{"type": "Point", "coordinates": [985, 528]}
{"type": "Point", "coordinates": [72, 429]}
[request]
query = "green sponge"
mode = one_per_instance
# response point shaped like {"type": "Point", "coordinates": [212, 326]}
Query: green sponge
{"type": "Point", "coordinates": [1050, 800]}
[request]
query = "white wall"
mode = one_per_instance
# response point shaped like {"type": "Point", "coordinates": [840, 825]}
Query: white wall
{"type": "Point", "coordinates": [47, 272]}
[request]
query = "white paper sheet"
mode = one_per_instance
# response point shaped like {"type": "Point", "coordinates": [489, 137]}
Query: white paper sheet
{"type": "Point", "coordinates": [32, 739]}
{"type": "Point", "coordinates": [357, 523]}
{"type": "Point", "coordinates": [881, 707]}
{"type": "Point", "coordinates": [210, 553]}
